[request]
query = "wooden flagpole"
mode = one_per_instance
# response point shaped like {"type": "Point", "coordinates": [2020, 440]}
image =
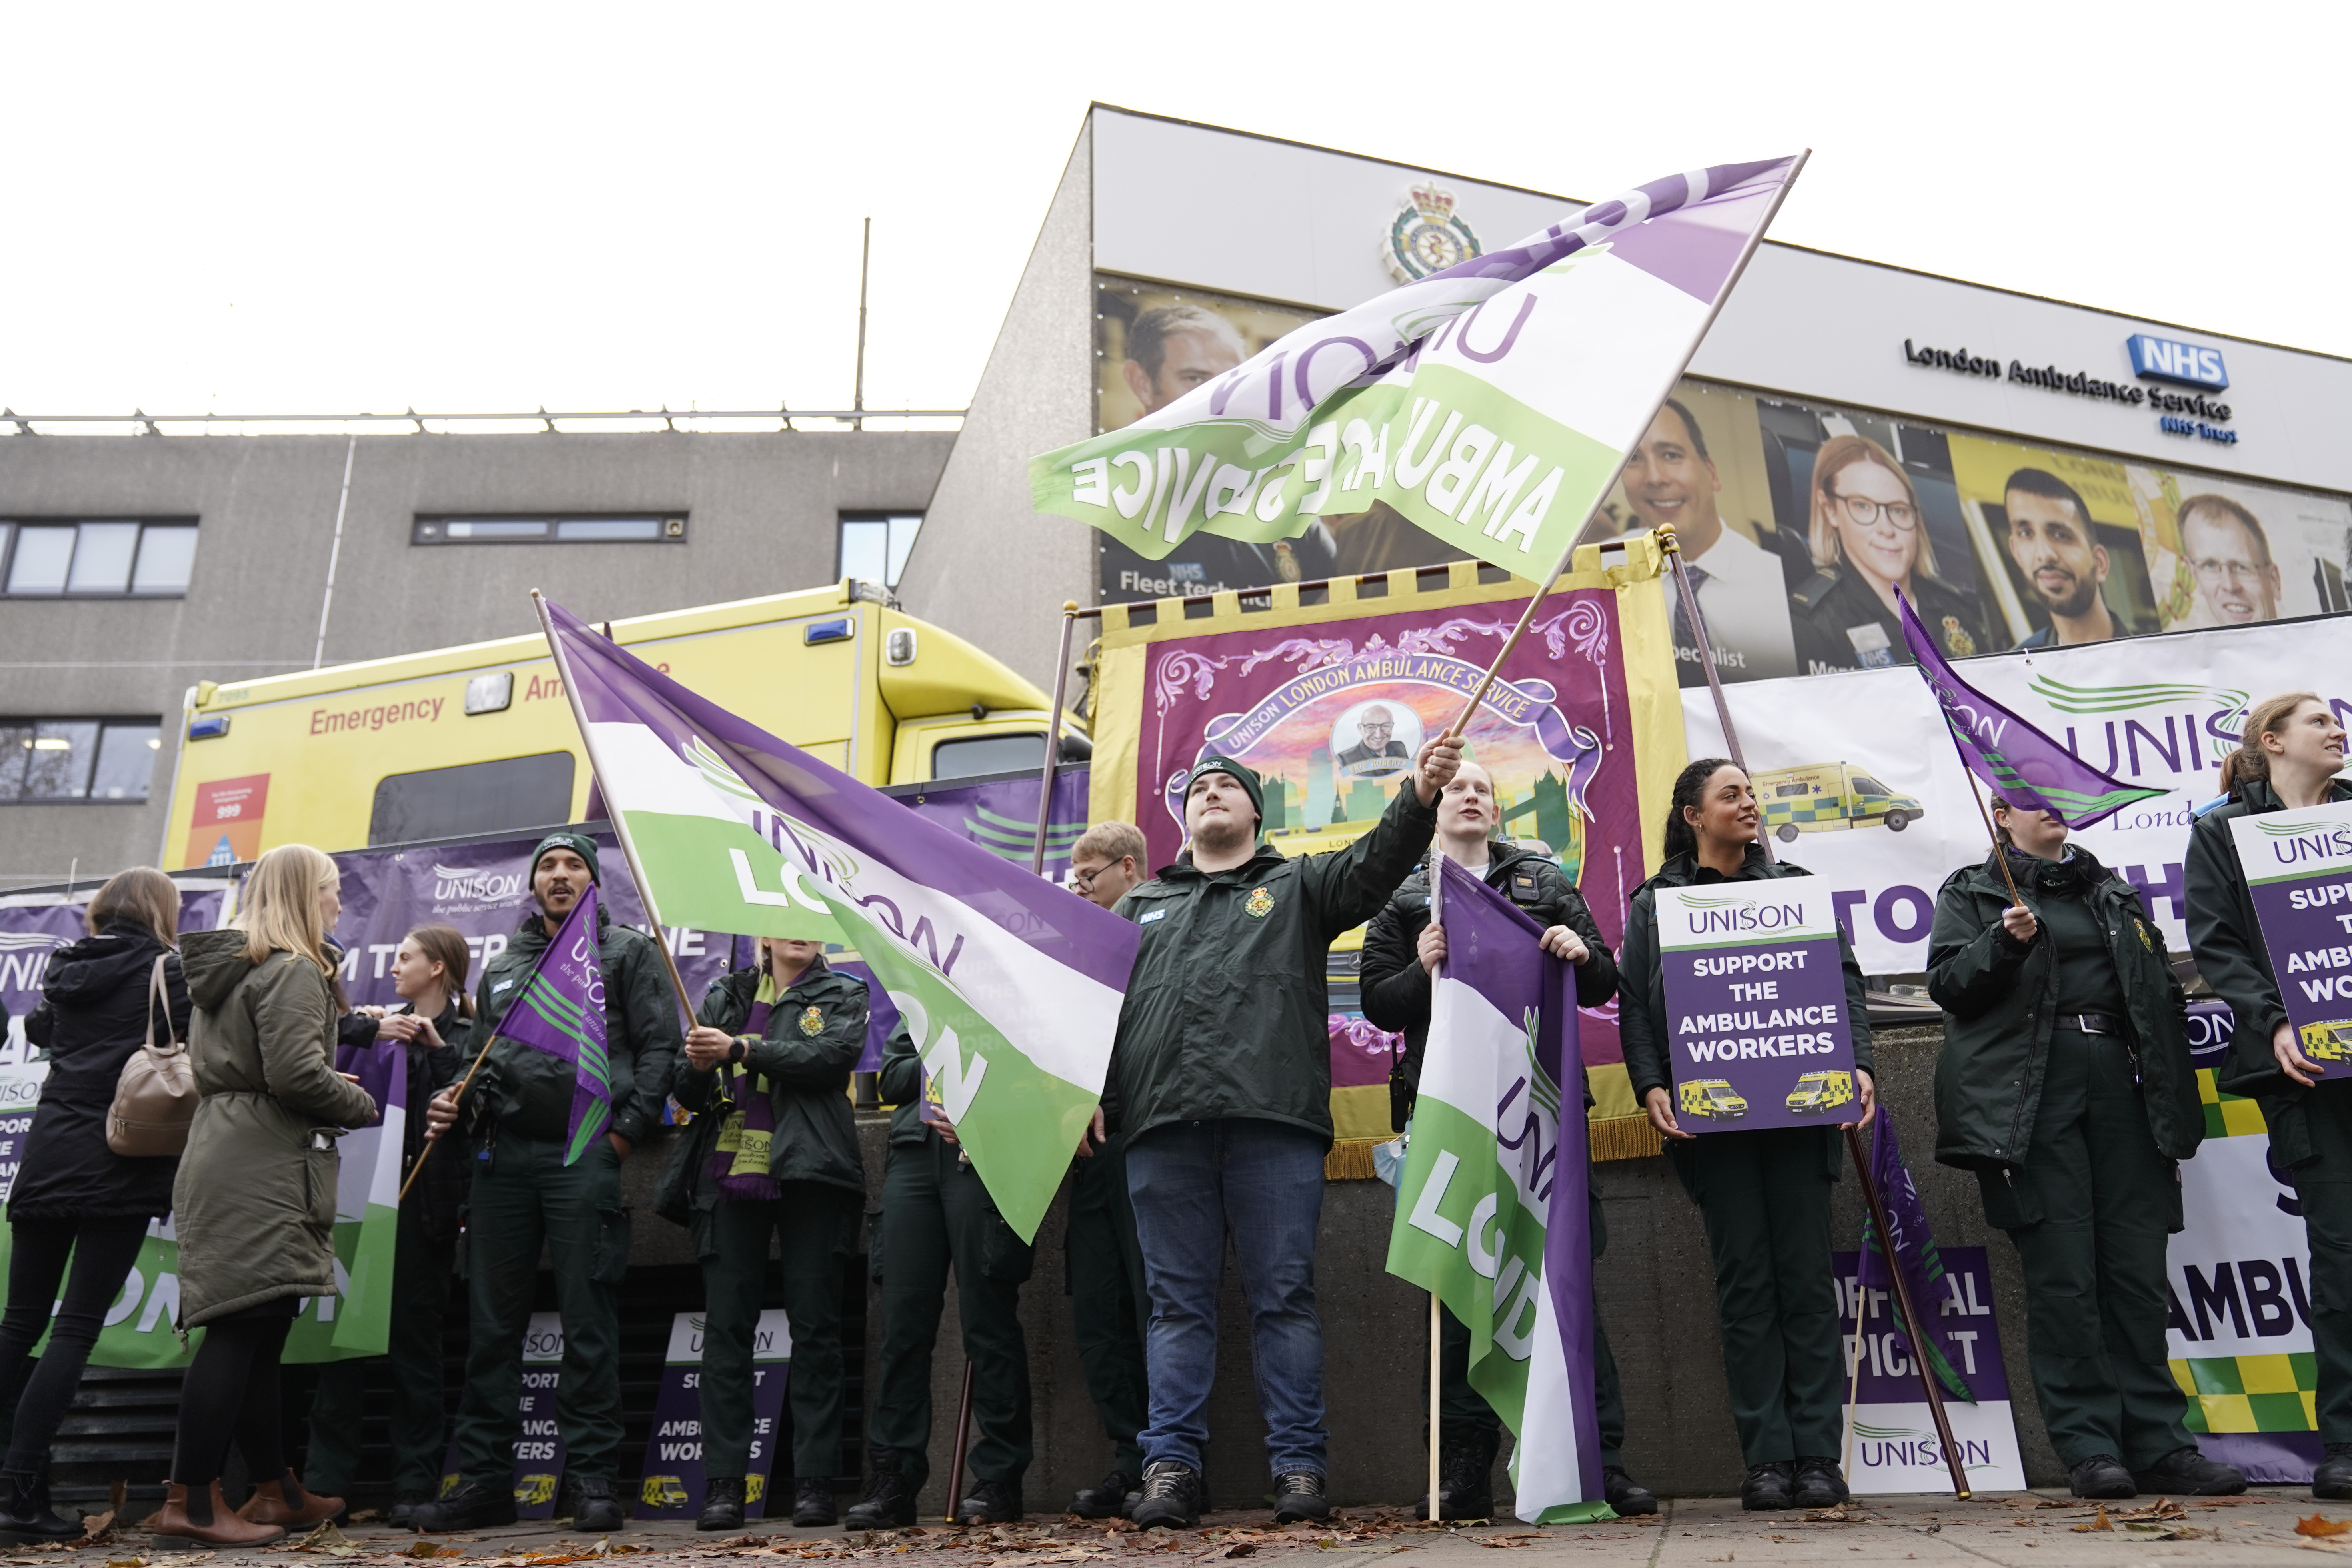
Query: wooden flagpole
{"type": "Point", "coordinates": [431, 1144]}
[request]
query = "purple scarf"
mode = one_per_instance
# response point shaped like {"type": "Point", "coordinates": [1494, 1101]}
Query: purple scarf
{"type": "Point", "coordinates": [746, 1133]}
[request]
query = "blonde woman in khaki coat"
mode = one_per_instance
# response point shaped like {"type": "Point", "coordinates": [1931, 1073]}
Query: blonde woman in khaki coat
{"type": "Point", "coordinates": [255, 1203]}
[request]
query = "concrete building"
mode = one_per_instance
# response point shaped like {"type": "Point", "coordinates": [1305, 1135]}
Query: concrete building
{"type": "Point", "coordinates": [134, 567]}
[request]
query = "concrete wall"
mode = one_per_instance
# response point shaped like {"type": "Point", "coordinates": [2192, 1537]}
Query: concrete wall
{"type": "Point", "coordinates": [986, 566]}
{"type": "Point", "coordinates": [1657, 1304]}
{"type": "Point", "coordinates": [763, 512]}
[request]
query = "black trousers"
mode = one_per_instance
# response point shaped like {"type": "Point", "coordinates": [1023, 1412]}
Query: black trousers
{"type": "Point", "coordinates": [34, 1395]}
{"type": "Point", "coordinates": [231, 1394]}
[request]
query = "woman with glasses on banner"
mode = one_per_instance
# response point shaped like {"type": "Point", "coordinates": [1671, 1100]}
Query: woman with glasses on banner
{"type": "Point", "coordinates": [1401, 952]}
{"type": "Point", "coordinates": [433, 1023]}
{"type": "Point", "coordinates": [255, 1203]}
{"type": "Point", "coordinates": [1764, 1194]}
{"type": "Point", "coordinates": [772, 1152]}
{"type": "Point", "coordinates": [2066, 1085]}
{"type": "Point", "coordinates": [2290, 756]}
{"type": "Point", "coordinates": [1869, 538]}
{"type": "Point", "coordinates": [102, 999]}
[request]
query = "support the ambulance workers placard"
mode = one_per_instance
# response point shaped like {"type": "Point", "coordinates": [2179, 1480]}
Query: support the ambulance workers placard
{"type": "Point", "coordinates": [2299, 869]}
{"type": "Point", "coordinates": [1756, 1013]}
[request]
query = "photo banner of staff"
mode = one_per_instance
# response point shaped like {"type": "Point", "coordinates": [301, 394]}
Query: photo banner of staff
{"type": "Point", "coordinates": [1800, 519]}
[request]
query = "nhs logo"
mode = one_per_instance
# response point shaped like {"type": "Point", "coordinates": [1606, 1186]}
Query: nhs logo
{"type": "Point", "coordinates": [2163, 359]}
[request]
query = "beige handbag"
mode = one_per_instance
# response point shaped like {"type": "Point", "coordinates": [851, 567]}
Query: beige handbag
{"type": "Point", "coordinates": [155, 1097]}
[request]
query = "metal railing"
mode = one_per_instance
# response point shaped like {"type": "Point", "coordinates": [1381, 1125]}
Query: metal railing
{"type": "Point", "coordinates": [146, 424]}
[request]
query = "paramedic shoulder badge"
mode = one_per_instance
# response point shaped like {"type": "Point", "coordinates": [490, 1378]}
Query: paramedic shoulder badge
{"type": "Point", "coordinates": [1258, 904]}
{"type": "Point", "coordinates": [812, 1021]}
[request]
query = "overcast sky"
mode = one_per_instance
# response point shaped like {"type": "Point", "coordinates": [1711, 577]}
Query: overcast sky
{"type": "Point", "coordinates": [494, 205]}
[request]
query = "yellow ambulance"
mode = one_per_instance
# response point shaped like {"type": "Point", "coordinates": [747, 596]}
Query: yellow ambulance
{"type": "Point", "coordinates": [1820, 1091]}
{"type": "Point", "coordinates": [1828, 796]}
{"type": "Point", "coordinates": [2330, 1042]}
{"type": "Point", "coordinates": [480, 739]}
{"type": "Point", "coordinates": [1713, 1097]}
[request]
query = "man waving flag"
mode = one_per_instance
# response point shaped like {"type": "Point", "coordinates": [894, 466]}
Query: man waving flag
{"type": "Point", "coordinates": [1491, 1206]}
{"type": "Point", "coordinates": [1009, 985]}
{"type": "Point", "coordinates": [1492, 403]}
{"type": "Point", "coordinates": [562, 1012]}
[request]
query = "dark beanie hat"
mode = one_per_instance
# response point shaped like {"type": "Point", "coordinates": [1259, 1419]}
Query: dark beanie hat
{"type": "Point", "coordinates": [1246, 777]}
{"type": "Point", "coordinates": [579, 844]}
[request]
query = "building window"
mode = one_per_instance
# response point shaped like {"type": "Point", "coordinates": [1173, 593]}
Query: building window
{"type": "Point", "coordinates": [875, 545]}
{"type": "Point", "coordinates": [110, 560]}
{"type": "Point", "coordinates": [642, 528]}
{"type": "Point", "coordinates": [77, 759]}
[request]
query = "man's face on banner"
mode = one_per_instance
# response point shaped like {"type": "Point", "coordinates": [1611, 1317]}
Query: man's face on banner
{"type": "Point", "coordinates": [2239, 584]}
{"type": "Point", "coordinates": [1377, 728]}
{"type": "Point", "coordinates": [1187, 359]}
{"type": "Point", "coordinates": [1667, 481]}
{"type": "Point", "coordinates": [2052, 544]}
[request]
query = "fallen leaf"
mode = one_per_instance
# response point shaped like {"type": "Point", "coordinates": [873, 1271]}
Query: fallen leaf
{"type": "Point", "coordinates": [2101, 1522]}
{"type": "Point", "coordinates": [2314, 1525]}
{"type": "Point", "coordinates": [2054, 1502]}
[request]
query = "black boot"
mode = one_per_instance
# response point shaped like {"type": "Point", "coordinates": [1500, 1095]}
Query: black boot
{"type": "Point", "coordinates": [1466, 1472]}
{"type": "Point", "coordinates": [1819, 1485]}
{"type": "Point", "coordinates": [469, 1508]}
{"type": "Point", "coordinates": [596, 1507]}
{"type": "Point", "coordinates": [813, 1505]}
{"type": "Point", "coordinates": [404, 1509]}
{"type": "Point", "coordinates": [722, 1503]}
{"type": "Point", "coordinates": [990, 1502]}
{"type": "Point", "coordinates": [1171, 1497]}
{"type": "Point", "coordinates": [1299, 1495]}
{"type": "Point", "coordinates": [888, 1502]}
{"type": "Point", "coordinates": [1106, 1499]}
{"type": "Point", "coordinates": [2104, 1476]}
{"type": "Point", "coordinates": [2332, 1481]}
{"type": "Point", "coordinates": [1768, 1487]}
{"type": "Point", "coordinates": [2185, 1472]}
{"type": "Point", "coordinates": [1624, 1495]}
{"type": "Point", "coordinates": [24, 1516]}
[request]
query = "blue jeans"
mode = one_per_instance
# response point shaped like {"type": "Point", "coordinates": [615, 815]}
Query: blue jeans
{"type": "Point", "coordinates": [1194, 1183]}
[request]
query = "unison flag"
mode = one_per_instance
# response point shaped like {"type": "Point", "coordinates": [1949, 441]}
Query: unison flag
{"type": "Point", "coordinates": [1491, 1204]}
{"type": "Point", "coordinates": [562, 1012]}
{"type": "Point", "coordinates": [2016, 761]}
{"type": "Point", "coordinates": [1492, 403]}
{"type": "Point", "coordinates": [1009, 985]}
{"type": "Point", "coordinates": [1912, 1242]}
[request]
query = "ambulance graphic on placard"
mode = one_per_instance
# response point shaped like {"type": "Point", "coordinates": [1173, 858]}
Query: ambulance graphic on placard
{"type": "Point", "coordinates": [1819, 1090]}
{"type": "Point", "coordinates": [2328, 1042]}
{"type": "Point", "coordinates": [1713, 1097]}
{"type": "Point", "coordinates": [1826, 795]}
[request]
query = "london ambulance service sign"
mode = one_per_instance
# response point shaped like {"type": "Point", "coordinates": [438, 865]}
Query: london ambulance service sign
{"type": "Point", "coordinates": [1755, 1009]}
{"type": "Point", "coordinates": [2299, 869]}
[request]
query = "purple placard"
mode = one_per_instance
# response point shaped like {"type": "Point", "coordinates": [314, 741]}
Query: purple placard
{"type": "Point", "coordinates": [674, 1469]}
{"type": "Point", "coordinates": [1755, 1005]}
{"type": "Point", "coordinates": [1959, 1313]}
{"type": "Point", "coordinates": [2298, 868]}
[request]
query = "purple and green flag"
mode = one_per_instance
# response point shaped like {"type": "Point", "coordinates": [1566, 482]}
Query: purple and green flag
{"type": "Point", "coordinates": [1492, 403]}
{"type": "Point", "coordinates": [1009, 985]}
{"type": "Point", "coordinates": [1912, 1242]}
{"type": "Point", "coordinates": [1491, 1212]}
{"type": "Point", "coordinates": [562, 1012]}
{"type": "Point", "coordinates": [2016, 762]}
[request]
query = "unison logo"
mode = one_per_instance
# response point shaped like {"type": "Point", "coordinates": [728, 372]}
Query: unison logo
{"type": "Point", "coordinates": [487, 886]}
{"type": "Point", "coordinates": [1748, 915]}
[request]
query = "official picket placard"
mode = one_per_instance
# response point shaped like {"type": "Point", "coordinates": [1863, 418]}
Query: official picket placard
{"type": "Point", "coordinates": [2299, 870]}
{"type": "Point", "coordinates": [1895, 1449]}
{"type": "Point", "coordinates": [1756, 1007]}
{"type": "Point", "coordinates": [674, 1469]}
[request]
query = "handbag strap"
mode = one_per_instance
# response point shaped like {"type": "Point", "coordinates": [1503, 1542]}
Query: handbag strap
{"type": "Point", "coordinates": [159, 1000]}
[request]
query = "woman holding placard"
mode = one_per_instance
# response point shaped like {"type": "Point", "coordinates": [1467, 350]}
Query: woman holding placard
{"type": "Point", "coordinates": [2292, 750]}
{"type": "Point", "coordinates": [1764, 1194]}
{"type": "Point", "coordinates": [2066, 1085]}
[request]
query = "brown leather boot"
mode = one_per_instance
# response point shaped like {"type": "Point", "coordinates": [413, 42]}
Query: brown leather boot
{"type": "Point", "coordinates": [170, 1528]}
{"type": "Point", "coordinates": [267, 1505]}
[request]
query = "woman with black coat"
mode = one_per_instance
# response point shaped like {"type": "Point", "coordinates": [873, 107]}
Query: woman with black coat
{"type": "Point", "coordinates": [1401, 950]}
{"type": "Point", "coordinates": [73, 1194]}
{"type": "Point", "coordinates": [1763, 1194]}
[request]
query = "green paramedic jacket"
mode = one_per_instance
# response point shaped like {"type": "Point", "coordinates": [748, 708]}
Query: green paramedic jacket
{"type": "Point", "coordinates": [1227, 1009]}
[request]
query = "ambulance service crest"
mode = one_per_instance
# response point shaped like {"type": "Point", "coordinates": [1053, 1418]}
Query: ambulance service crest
{"type": "Point", "coordinates": [1258, 904]}
{"type": "Point", "coordinates": [811, 1022]}
{"type": "Point", "coordinates": [1427, 234]}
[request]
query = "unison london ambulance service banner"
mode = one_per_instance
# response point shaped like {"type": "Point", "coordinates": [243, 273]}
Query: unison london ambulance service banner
{"type": "Point", "coordinates": [1858, 782]}
{"type": "Point", "coordinates": [1756, 1007]}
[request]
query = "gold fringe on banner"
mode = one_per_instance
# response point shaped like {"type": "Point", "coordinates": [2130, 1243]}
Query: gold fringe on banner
{"type": "Point", "coordinates": [1350, 1160]}
{"type": "Point", "coordinates": [1623, 1138]}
